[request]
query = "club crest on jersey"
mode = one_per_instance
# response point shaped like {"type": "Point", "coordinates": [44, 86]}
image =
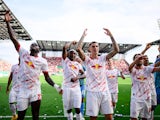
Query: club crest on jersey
{"type": "Point", "coordinates": [30, 64]}
{"type": "Point", "coordinates": [141, 78]}
{"type": "Point", "coordinates": [111, 76]}
{"type": "Point", "coordinates": [96, 66]}
{"type": "Point", "coordinates": [73, 67]}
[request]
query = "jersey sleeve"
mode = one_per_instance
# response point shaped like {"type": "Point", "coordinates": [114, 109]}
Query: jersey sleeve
{"type": "Point", "coordinates": [22, 52]}
{"type": "Point", "coordinates": [149, 69]}
{"type": "Point", "coordinates": [44, 66]}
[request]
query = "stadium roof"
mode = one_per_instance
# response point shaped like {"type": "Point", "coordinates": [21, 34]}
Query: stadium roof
{"type": "Point", "coordinates": [20, 32]}
{"type": "Point", "coordinates": [156, 42]}
{"type": "Point", "coordinates": [104, 47]}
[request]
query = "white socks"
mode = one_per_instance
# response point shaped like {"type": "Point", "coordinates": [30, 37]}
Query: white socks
{"type": "Point", "coordinates": [70, 116]}
{"type": "Point", "coordinates": [78, 116]}
{"type": "Point", "coordinates": [13, 108]}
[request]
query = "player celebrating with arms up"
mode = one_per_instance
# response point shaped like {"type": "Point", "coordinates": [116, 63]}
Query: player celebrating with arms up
{"type": "Point", "coordinates": [73, 71]}
{"type": "Point", "coordinates": [31, 66]}
{"type": "Point", "coordinates": [98, 96]}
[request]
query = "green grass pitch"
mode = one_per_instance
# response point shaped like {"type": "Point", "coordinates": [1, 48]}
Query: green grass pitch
{"type": "Point", "coordinates": [52, 107]}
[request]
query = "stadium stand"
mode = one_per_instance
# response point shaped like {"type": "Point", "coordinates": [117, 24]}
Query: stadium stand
{"type": "Point", "coordinates": [56, 46]}
{"type": "Point", "coordinates": [54, 64]}
{"type": "Point", "coordinates": [20, 32]}
{"type": "Point", "coordinates": [4, 68]}
{"type": "Point", "coordinates": [51, 45]}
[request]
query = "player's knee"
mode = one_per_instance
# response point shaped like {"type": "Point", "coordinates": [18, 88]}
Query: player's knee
{"type": "Point", "coordinates": [69, 111]}
{"type": "Point", "coordinates": [77, 110]}
{"type": "Point", "coordinates": [153, 107]}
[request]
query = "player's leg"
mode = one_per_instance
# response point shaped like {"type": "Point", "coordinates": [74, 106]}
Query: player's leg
{"type": "Point", "coordinates": [70, 114]}
{"type": "Point", "coordinates": [22, 103]}
{"type": "Point", "coordinates": [76, 92]}
{"type": "Point", "coordinates": [12, 104]}
{"type": "Point", "coordinates": [35, 100]}
{"type": "Point", "coordinates": [154, 105]}
{"type": "Point", "coordinates": [21, 114]}
{"type": "Point", "coordinates": [108, 117]}
{"type": "Point", "coordinates": [106, 106]}
{"type": "Point", "coordinates": [114, 100]}
{"type": "Point", "coordinates": [146, 111]}
{"type": "Point", "coordinates": [92, 104]}
{"type": "Point", "coordinates": [67, 103]}
{"type": "Point", "coordinates": [135, 109]}
{"type": "Point", "coordinates": [93, 117]}
{"type": "Point", "coordinates": [82, 109]}
{"type": "Point", "coordinates": [13, 109]}
{"type": "Point", "coordinates": [35, 106]}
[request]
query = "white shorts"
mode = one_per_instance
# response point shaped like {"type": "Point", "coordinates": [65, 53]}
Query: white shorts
{"type": "Point", "coordinates": [114, 97]}
{"type": "Point", "coordinates": [140, 108]}
{"type": "Point", "coordinates": [72, 97]}
{"type": "Point", "coordinates": [13, 96]}
{"type": "Point", "coordinates": [98, 101]}
{"type": "Point", "coordinates": [25, 97]}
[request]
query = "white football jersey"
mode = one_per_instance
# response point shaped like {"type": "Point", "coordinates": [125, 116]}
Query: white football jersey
{"type": "Point", "coordinates": [112, 78]}
{"type": "Point", "coordinates": [30, 69]}
{"type": "Point", "coordinates": [95, 74]}
{"type": "Point", "coordinates": [140, 83]}
{"type": "Point", "coordinates": [70, 70]}
{"type": "Point", "coordinates": [15, 77]}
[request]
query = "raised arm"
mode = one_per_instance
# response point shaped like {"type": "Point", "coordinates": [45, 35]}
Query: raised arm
{"type": "Point", "coordinates": [114, 44]}
{"type": "Point", "coordinates": [10, 31]}
{"type": "Point", "coordinates": [80, 43]}
{"type": "Point", "coordinates": [65, 47]}
{"type": "Point", "coordinates": [146, 48]}
{"type": "Point", "coordinates": [135, 62]}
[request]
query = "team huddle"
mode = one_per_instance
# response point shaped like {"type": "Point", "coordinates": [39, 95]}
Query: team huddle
{"type": "Point", "coordinates": [101, 85]}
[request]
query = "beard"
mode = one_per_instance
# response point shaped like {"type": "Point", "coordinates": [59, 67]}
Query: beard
{"type": "Point", "coordinates": [34, 50]}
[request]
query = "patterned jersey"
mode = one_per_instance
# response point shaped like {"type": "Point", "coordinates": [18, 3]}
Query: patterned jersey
{"type": "Point", "coordinates": [140, 83]}
{"type": "Point", "coordinates": [70, 70]}
{"type": "Point", "coordinates": [151, 83]}
{"type": "Point", "coordinates": [95, 74]}
{"type": "Point", "coordinates": [30, 69]}
{"type": "Point", "coordinates": [112, 78]}
{"type": "Point", "coordinates": [15, 77]}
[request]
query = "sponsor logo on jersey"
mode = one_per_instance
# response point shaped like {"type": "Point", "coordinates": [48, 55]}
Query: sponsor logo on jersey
{"type": "Point", "coordinates": [30, 64]}
{"type": "Point", "coordinates": [73, 67]}
{"type": "Point", "coordinates": [141, 78]}
{"type": "Point", "coordinates": [96, 66]}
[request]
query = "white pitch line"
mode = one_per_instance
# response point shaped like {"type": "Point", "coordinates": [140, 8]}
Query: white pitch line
{"type": "Point", "coordinates": [61, 116]}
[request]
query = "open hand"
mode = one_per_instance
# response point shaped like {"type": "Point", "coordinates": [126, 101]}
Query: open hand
{"type": "Point", "coordinates": [107, 32]}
